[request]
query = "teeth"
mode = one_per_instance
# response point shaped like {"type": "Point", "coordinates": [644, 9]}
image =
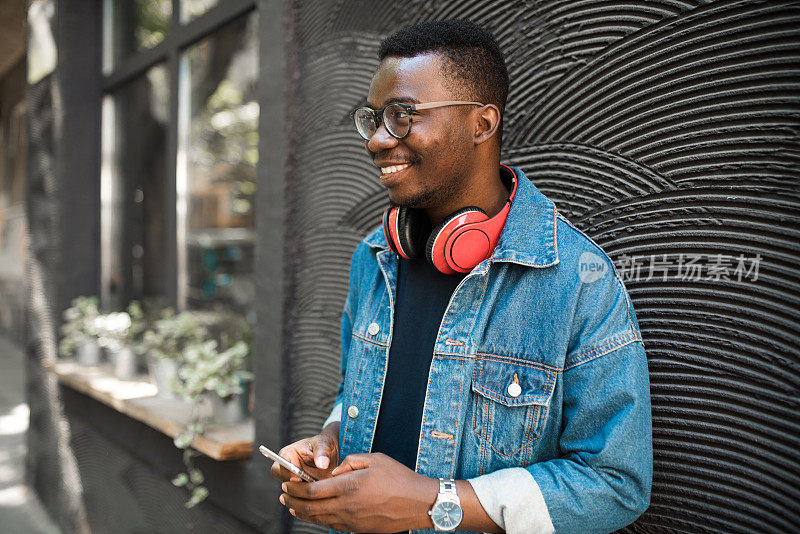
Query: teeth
{"type": "Point", "coordinates": [394, 168]}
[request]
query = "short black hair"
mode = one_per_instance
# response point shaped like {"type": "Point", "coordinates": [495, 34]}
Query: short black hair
{"type": "Point", "coordinates": [472, 55]}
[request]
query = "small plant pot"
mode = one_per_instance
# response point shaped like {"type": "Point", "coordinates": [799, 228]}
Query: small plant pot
{"type": "Point", "coordinates": [163, 372]}
{"type": "Point", "coordinates": [230, 410]}
{"type": "Point", "coordinates": [123, 363]}
{"type": "Point", "coordinates": [89, 354]}
{"type": "Point", "coordinates": [227, 411]}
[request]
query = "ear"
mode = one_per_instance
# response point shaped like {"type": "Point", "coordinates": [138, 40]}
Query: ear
{"type": "Point", "coordinates": [487, 124]}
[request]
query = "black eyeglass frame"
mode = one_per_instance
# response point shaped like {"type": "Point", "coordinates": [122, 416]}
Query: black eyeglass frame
{"type": "Point", "coordinates": [377, 114]}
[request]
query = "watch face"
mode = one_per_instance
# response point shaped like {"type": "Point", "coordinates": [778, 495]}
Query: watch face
{"type": "Point", "coordinates": [446, 515]}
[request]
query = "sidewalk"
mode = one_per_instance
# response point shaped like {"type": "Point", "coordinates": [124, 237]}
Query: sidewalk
{"type": "Point", "coordinates": [20, 510]}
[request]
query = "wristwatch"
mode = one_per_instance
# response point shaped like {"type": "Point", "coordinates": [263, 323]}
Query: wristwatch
{"type": "Point", "coordinates": [446, 512]}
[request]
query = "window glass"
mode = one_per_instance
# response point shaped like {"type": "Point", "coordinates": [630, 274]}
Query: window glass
{"type": "Point", "coordinates": [131, 26]}
{"type": "Point", "coordinates": [191, 9]}
{"type": "Point", "coordinates": [216, 180]}
{"type": "Point", "coordinates": [132, 189]}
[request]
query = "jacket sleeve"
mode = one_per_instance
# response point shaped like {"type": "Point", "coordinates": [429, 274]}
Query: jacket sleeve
{"type": "Point", "coordinates": [601, 480]}
{"type": "Point", "coordinates": [346, 328]}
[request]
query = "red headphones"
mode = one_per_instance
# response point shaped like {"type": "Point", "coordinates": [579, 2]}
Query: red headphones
{"type": "Point", "coordinates": [459, 243]}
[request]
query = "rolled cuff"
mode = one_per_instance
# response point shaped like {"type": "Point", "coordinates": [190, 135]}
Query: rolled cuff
{"type": "Point", "coordinates": [336, 415]}
{"type": "Point", "coordinates": [512, 498]}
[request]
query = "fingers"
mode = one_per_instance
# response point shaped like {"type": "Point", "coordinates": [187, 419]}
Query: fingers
{"type": "Point", "coordinates": [299, 490]}
{"type": "Point", "coordinates": [353, 462]}
{"type": "Point", "coordinates": [279, 472]}
{"type": "Point", "coordinates": [319, 512]}
{"type": "Point", "coordinates": [299, 453]}
{"type": "Point", "coordinates": [332, 521]}
{"type": "Point", "coordinates": [321, 502]}
{"type": "Point", "coordinates": [321, 455]}
{"type": "Point", "coordinates": [323, 451]}
{"type": "Point", "coordinates": [322, 489]}
{"type": "Point", "coordinates": [311, 511]}
{"type": "Point", "coordinates": [315, 455]}
{"type": "Point", "coordinates": [276, 471]}
{"type": "Point", "coordinates": [282, 474]}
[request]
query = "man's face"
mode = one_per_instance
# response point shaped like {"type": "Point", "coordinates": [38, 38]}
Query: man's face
{"type": "Point", "coordinates": [430, 162]}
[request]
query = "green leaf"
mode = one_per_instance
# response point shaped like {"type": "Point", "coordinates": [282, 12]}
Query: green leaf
{"type": "Point", "coordinates": [196, 427]}
{"type": "Point", "coordinates": [184, 440]}
{"type": "Point", "coordinates": [180, 480]}
{"type": "Point", "coordinates": [196, 476]}
{"type": "Point", "coordinates": [188, 454]}
{"type": "Point", "coordinates": [198, 495]}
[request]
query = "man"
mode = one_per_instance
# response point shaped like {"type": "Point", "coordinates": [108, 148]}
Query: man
{"type": "Point", "coordinates": [520, 375]}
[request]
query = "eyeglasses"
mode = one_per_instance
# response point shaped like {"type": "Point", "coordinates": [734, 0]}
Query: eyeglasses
{"type": "Point", "coordinates": [397, 117]}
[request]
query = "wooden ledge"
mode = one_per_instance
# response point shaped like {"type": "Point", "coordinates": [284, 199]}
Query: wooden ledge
{"type": "Point", "coordinates": [137, 399]}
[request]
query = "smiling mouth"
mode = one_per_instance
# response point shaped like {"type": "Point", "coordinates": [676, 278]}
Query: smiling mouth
{"type": "Point", "coordinates": [385, 171]}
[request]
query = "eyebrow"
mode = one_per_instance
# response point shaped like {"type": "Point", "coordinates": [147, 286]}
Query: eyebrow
{"type": "Point", "coordinates": [401, 99]}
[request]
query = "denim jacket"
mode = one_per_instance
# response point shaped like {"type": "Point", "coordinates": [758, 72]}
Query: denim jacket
{"type": "Point", "coordinates": [569, 446]}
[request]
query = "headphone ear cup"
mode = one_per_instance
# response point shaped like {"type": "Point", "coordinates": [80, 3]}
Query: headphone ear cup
{"type": "Point", "coordinates": [413, 228]}
{"type": "Point", "coordinates": [440, 261]}
{"type": "Point", "coordinates": [388, 214]}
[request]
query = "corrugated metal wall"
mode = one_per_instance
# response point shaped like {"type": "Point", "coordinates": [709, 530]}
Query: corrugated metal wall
{"type": "Point", "coordinates": [666, 130]}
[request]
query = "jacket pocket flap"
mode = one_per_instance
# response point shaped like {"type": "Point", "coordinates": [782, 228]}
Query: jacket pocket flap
{"type": "Point", "coordinates": [494, 375]}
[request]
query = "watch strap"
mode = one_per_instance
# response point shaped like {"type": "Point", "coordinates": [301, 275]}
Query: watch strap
{"type": "Point", "coordinates": [447, 487]}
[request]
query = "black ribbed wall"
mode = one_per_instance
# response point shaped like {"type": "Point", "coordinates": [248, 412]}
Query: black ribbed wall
{"type": "Point", "coordinates": [658, 128]}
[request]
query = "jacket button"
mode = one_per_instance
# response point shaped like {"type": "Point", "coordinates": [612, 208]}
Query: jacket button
{"type": "Point", "coordinates": [514, 389]}
{"type": "Point", "coordinates": [352, 411]}
{"type": "Point", "coordinates": [373, 328]}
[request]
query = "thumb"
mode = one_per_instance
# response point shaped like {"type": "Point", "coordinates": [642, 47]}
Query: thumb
{"type": "Point", "coordinates": [322, 454]}
{"type": "Point", "coordinates": [353, 462]}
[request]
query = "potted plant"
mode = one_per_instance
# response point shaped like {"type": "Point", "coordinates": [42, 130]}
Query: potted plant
{"type": "Point", "coordinates": [79, 334]}
{"type": "Point", "coordinates": [113, 334]}
{"type": "Point", "coordinates": [216, 371]}
{"type": "Point", "coordinates": [232, 329]}
{"type": "Point", "coordinates": [220, 376]}
{"type": "Point", "coordinates": [206, 372]}
{"type": "Point", "coordinates": [164, 343]}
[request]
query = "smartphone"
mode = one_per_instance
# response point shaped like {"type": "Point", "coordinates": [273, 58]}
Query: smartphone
{"type": "Point", "coordinates": [286, 463]}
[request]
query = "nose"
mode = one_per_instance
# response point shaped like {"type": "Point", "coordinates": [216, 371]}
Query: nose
{"type": "Point", "coordinates": [381, 140]}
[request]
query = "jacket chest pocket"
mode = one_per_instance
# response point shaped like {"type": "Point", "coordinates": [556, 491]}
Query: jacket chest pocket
{"type": "Point", "coordinates": [510, 401]}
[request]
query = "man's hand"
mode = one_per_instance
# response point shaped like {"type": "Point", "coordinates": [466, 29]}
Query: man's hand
{"type": "Point", "coordinates": [367, 493]}
{"type": "Point", "coordinates": [318, 455]}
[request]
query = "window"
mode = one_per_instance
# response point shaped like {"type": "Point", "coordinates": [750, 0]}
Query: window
{"type": "Point", "coordinates": [191, 9]}
{"type": "Point", "coordinates": [133, 175]}
{"type": "Point", "coordinates": [179, 151]}
{"type": "Point", "coordinates": [216, 182]}
{"type": "Point", "coordinates": [133, 26]}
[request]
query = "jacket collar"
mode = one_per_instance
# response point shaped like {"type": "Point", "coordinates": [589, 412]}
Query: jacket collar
{"type": "Point", "coordinates": [529, 235]}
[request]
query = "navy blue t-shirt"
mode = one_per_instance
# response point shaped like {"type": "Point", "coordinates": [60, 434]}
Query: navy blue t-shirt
{"type": "Point", "coordinates": [422, 297]}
